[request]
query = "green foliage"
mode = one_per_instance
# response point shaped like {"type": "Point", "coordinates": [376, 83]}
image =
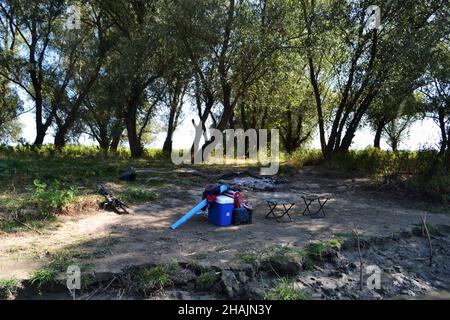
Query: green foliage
{"type": "Point", "coordinates": [158, 277]}
{"type": "Point", "coordinates": [419, 230]}
{"type": "Point", "coordinates": [11, 202]}
{"type": "Point", "coordinates": [19, 166]}
{"type": "Point", "coordinates": [45, 276]}
{"type": "Point", "coordinates": [344, 235]}
{"type": "Point", "coordinates": [60, 260]}
{"type": "Point", "coordinates": [11, 226]}
{"type": "Point", "coordinates": [10, 132]}
{"type": "Point", "coordinates": [285, 291]}
{"type": "Point", "coordinates": [137, 195]}
{"type": "Point", "coordinates": [8, 288]}
{"type": "Point", "coordinates": [440, 210]}
{"type": "Point", "coordinates": [206, 280]}
{"type": "Point", "coordinates": [57, 264]}
{"type": "Point", "coordinates": [247, 257]}
{"type": "Point", "coordinates": [51, 198]}
{"type": "Point", "coordinates": [73, 152]}
{"type": "Point", "coordinates": [306, 157]}
{"type": "Point", "coordinates": [315, 252]}
{"type": "Point", "coordinates": [284, 253]}
{"type": "Point", "coordinates": [422, 172]}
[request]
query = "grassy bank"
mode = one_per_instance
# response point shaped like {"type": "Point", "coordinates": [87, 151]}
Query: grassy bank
{"type": "Point", "coordinates": [421, 172]}
{"type": "Point", "coordinates": [37, 184]}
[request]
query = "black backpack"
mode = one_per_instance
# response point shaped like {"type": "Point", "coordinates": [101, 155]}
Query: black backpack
{"type": "Point", "coordinates": [241, 216]}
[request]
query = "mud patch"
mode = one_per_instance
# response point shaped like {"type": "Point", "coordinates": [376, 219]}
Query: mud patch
{"type": "Point", "coordinates": [402, 260]}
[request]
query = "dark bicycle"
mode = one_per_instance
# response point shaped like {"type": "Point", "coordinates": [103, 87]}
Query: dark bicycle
{"type": "Point", "coordinates": [112, 203]}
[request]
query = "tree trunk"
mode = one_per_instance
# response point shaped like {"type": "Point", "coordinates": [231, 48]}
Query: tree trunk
{"type": "Point", "coordinates": [133, 139]}
{"type": "Point", "coordinates": [378, 132]}
{"type": "Point", "coordinates": [102, 138]}
{"type": "Point", "coordinates": [104, 145]}
{"type": "Point", "coordinates": [41, 128]}
{"type": "Point", "coordinates": [167, 147]}
{"type": "Point", "coordinates": [60, 140]}
{"type": "Point", "coordinates": [447, 152]}
{"type": "Point", "coordinates": [444, 138]}
{"type": "Point", "coordinates": [136, 148]}
{"type": "Point", "coordinates": [40, 134]}
{"type": "Point", "coordinates": [115, 143]}
{"type": "Point", "coordinates": [176, 103]}
{"type": "Point", "coordinates": [394, 145]}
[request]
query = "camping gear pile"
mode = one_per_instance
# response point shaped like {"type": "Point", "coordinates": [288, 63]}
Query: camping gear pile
{"type": "Point", "coordinates": [226, 208]}
{"type": "Point", "coordinates": [223, 205]}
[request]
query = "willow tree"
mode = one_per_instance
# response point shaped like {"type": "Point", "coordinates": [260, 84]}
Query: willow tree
{"type": "Point", "coordinates": [230, 45]}
{"type": "Point", "coordinates": [355, 62]}
{"type": "Point", "coordinates": [83, 53]}
{"type": "Point", "coordinates": [28, 67]}
{"type": "Point", "coordinates": [10, 104]}
{"type": "Point", "coordinates": [437, 93]}
{"type": "Point", "coordinates": [144, 51]}
{"type": "Point", "coordinates": [280, 100]}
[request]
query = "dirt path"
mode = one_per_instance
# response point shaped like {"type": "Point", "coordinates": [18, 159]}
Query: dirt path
{"type": "Point", "coordinates": [119, 241]}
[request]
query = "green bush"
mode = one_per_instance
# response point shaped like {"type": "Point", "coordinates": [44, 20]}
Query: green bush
{"type": "Point", "coordinates": [306, 157]}
{"type": "Point", "coordinates": [155, 278]}
{"type": "Point", "coordinates": [8, 288]}
{"type": "Point", "coordinates": [206, 280]}
{"type": "Point", "coordinates": [285, 291]}
{"type": "Point", "coordinates": [137, 195]}
{"type": "Point", "coordinates": [46, 276]}
{"type": "Point", "coordinates": [314, 253]}
{"type": "Point", "coordinates": [422, 172]}
{"type": "Point", "coordinates": [73, 152]}
{"type": "Point", "coordinates": [48, 199]}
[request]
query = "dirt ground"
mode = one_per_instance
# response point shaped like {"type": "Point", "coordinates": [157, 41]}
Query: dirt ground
{"type": "Point", "coordinates": [144, 236]}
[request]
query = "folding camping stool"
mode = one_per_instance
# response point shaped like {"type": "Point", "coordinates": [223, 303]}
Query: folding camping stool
{"type": "Point", "coordinates": [309, 199]}
{"type": "Point", "coordinates": [273, 203]}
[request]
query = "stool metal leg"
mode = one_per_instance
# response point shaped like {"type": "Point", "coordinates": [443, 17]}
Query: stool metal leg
{"type": "Point", "coordinates": [307, 204]}
{"type": "Point", "coordinates": [321, 205]}
{"type": "Point", "coordinates": [272, 207]}
{"type": "Point", "coordinates": [286, 210]}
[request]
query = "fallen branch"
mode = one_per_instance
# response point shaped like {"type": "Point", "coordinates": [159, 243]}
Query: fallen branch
{"type": "Point", "coordinates": [424, 219]}
{"type": "Point", "coordinates": [28, 226]}
{"type": "Point", "coordinates": [102, 289]}
{"type": "Point", "coordinates": [24, 224]}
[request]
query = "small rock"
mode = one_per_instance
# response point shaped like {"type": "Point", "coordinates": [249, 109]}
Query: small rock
{"type": "Point", "coordinates": [230, 284]}
{"type": "Point", "coordinates": [335, 273]}
{"type": "Point", "coordinates": [352, 266]}
{"type": "Point", "coordinates": [242, 277]}
{"type": "Point", "coordinates": [217, 288]}
{"type": "Point", "coordinates": [254, 290]}
{"type": "Point", "coordinates": [408, 292]}
{"type": "Point", "coordinates": [398, 268]}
